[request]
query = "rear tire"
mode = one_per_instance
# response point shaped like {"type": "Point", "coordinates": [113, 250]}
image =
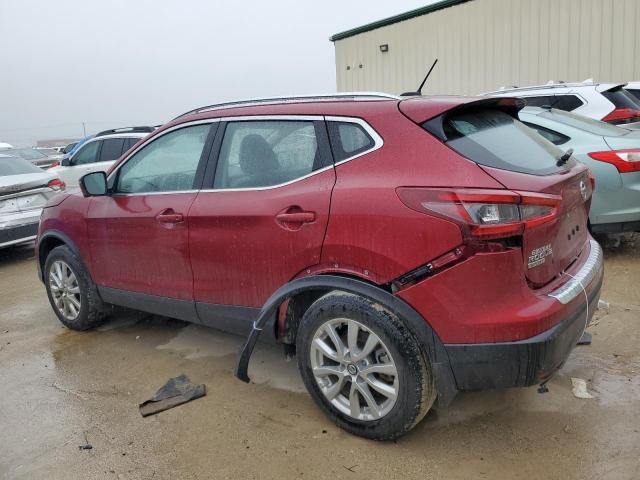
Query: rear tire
{"type": "Point", "coordinates": [72, 294]}
{"type": "Point", "coordinates": [381, 386]}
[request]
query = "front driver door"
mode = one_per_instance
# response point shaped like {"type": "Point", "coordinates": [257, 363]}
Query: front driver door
{"type": "Point", "coordinates": [262, 219]}
{"type": "Point", "coordinates": [139, 233]}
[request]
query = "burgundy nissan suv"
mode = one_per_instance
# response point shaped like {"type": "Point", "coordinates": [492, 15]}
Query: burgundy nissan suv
{"type": "Point", "coordinates": [403, 249]}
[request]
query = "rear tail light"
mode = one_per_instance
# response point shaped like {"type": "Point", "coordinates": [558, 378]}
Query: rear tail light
{"type": "Point", "coordinates": [54, 164]}
{"type": "Point", "coordinates": [622, 115]}
{"type": "Point", "coordinates": [56, 184]}
{"type": "Point", "coordinates": [624, 160]}
{"type": "Point", "coordinates": [484, 214]}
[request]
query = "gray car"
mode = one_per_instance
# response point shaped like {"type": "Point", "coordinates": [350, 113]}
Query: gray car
{"type": "Point", "coordinates": [24, 189]}
{"type": "Point", "coordinates": [612, 154]}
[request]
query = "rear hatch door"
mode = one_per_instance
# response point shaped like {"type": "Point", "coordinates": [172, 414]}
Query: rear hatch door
{"type": "Point", "coordinates": [525, 162]}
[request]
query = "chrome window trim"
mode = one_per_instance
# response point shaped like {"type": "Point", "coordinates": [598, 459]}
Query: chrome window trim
{"type": "Point", "coordinates": [141, 146]}
{"type": "Point", "coordinates": [378, 143]}
{"type": "Point", "coordinates": [578, 282]}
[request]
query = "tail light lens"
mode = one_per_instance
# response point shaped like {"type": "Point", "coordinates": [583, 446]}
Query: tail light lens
{"type": "Point", "coordinates": [624, 160]}
{"type": "Point", "coordinates": [484, 214]}
{"type": "Point", "coordinates": [54, 164]}
{"type": "Point", "coordinates": [622, 115]}
{"type": "Point", "coordinates": [56, 184]}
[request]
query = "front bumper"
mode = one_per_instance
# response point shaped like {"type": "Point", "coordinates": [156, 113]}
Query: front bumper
{"type": "Point", "coordinates": [533, 360]}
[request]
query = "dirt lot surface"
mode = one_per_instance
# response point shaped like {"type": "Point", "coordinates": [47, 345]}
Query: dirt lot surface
{"type": "Point", "coordinates": [61, 389]}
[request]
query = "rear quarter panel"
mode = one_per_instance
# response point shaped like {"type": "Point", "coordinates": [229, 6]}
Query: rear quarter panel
{"type": "Point", "coordinates": [370, 231]}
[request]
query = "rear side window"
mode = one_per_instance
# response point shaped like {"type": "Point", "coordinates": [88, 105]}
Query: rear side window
{"type": "Point", "coordinates": [267, 153]}
{"type": "Point", "coordinates": [561, 102]}
{"type": "Point", "coordinates": [622, 99]}
{"type": "Point", "coordinates": [348, 140]}
{"type": "Point", "coordinates": [111, 149]}
{"type": "Point", "coordinates": [128, 143]}
{"type": "Point", "coordinates": [494, 138]}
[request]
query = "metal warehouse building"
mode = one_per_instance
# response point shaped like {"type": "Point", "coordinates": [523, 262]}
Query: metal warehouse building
{"type": "Point", "coordinates": [485, 44]}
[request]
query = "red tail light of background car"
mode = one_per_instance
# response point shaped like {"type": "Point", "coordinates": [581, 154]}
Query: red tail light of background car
{"type": "Point", "coordinates": [624, 160]}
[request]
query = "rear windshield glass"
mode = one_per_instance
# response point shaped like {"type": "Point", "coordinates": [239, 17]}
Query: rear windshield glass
{"type": "Point", "coordinates": [622, 99]}
{"type": "Point", "coordinates": [494, 138]}
{"type": "Point", "coordinates": [586, 124]}
{"type": "Point", "coordinates": [28, 153]}
{"type": "Point", "coordinates": [16, 166]}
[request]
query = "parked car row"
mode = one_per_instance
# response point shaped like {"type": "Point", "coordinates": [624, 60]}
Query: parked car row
{"type": "Point", "coordinates": [97, 153]}
{"type": "Point", "coordinates": [404, 249]}
{"type": "Point", "coordinates": [609, 102]}
{"type": "Point", "coordinates": [24, 189]}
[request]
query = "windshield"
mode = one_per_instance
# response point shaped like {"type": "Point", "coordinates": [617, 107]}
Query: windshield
{"type": "Point", "coordinates": [494, 138]}
{"type": "Point", "coordinates": [586, 124]}
{"type": "Point", "coordinates": [28, 153]}
{"type": "Point", "coordinates": [16, 166]}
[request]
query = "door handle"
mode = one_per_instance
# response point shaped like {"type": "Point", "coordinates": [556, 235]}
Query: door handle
{"type": "Point", "coordinates": [169, 216]}
{"type": "Point", "coordinates": [296, 217]}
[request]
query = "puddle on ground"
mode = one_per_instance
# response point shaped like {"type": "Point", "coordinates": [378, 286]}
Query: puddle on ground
{"type": "Point", "coordinates": [268, 365]}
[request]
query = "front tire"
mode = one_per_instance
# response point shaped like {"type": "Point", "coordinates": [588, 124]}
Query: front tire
{"type": "Point", "coordinates": [71, 292]}
{"type": "Point", "coordinates": [363, 367]}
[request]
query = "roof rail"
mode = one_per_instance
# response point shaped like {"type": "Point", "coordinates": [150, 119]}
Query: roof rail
{"type": "Point", "coordinates": [126, 130]}
{"type": "Point", "coordinates": [293, 99]}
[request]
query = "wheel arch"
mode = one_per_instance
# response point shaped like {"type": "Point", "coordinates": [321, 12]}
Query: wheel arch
{"type": "Point", "coordinates": [312, 287]}
{"type": "Point", "coordinates": [50, 240]}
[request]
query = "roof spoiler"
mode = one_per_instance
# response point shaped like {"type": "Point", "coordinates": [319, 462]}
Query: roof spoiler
{"type": "Point", "coordinates": [510, 105]}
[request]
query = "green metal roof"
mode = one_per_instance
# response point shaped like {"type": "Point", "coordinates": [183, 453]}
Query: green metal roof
{"type": "Point", "coordinates": [434, 7]}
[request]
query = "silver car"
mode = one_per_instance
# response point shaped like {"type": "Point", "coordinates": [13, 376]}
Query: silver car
{"type": "Point", "coordinates": [612, 154]}
{"type": "Point", "coordinates": [24, 189]}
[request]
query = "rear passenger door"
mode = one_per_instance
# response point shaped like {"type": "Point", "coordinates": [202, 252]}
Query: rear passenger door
{"type": "Point", "coordinates": [261, 217]}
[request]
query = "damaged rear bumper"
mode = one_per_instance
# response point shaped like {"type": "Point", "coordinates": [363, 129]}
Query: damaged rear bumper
{"type": "Point", "coordinates": [533, 360]}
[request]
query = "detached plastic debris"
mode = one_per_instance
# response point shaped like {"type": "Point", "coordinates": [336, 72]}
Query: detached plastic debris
{"type": "Point", "coordinates": [175, 392]}
{"type": "Point", "coordinates": [580, 388]}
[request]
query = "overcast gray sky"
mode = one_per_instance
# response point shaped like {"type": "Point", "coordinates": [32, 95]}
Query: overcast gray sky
{"type": "Point", "coordinates": [126, 62]}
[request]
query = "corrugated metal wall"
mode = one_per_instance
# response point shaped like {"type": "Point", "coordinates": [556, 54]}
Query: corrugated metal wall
{"type": "Point", "coordinates": [485, 44]}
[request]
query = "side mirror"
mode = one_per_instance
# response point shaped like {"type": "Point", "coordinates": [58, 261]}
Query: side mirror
{"type": "Point", "coordinates": [94, 184]}
{"type": "Point", "coordinates": [65, 162]}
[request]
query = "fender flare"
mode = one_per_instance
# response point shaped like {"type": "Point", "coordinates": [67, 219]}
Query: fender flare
{"type": "Point", "coordinates": [64, 238]}
{"type": "Point", "coordinates": [441, 368]}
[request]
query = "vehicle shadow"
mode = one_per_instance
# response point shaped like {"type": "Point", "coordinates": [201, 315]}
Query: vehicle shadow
{"type": "Point", "coordinates": [16, 254]}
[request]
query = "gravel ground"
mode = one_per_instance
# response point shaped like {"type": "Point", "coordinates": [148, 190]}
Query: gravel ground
{"type": "Point", "coordinates": [61, 389]}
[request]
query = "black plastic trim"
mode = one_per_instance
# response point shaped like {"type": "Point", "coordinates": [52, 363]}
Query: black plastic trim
{"type": "Point", "coordinates": [522, 363]}
{"type": "Point", "coordinates": [64, 238]}
{"type": "Point", "coordinates": [168, 307]}
{"type": "Point", "coordinates": [434, 348]}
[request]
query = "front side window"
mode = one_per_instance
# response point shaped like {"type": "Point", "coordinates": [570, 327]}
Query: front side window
{"type": "Point", "coordinates": [167, 164]}
{"type": "Point", "coordinates": [86, 154]}
{"type": "Point", "coordinates": [111, 149]}
{"type": "Point", "coordinates": [266, 153]}
{"type": "Point", "coordinates": [348, 140]}
{"type": "Point", "coordinates": [494, 138]}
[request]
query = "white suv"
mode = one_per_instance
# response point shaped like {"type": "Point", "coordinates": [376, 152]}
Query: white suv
{"type": "Point", "coordinates": [608, 102]}
{"type": "Point", "coordinates": [98, 153]}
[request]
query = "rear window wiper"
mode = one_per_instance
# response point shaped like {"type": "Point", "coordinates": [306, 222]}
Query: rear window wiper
{"type": "Point", "coordinates": [565, 157]}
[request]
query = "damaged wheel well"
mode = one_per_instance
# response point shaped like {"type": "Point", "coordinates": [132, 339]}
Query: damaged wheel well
{"type": "Point", "coordinates": [293, 309]}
